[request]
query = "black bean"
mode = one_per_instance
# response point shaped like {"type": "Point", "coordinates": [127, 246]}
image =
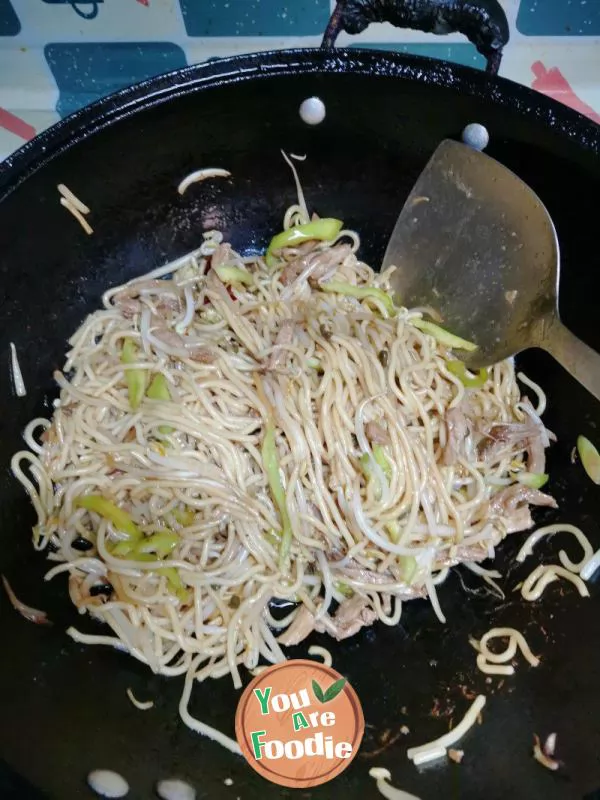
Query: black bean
{"type": "Point", "coordinates": [234, 601]}
{"type": "Point", "coordinates": [326, 332]}
{"type": "Point", "coordinates": [101, 588]}
{"type": "Point", "coordinates": [384, 357]}
{"type": "Point", "coordinates": [81, 544]}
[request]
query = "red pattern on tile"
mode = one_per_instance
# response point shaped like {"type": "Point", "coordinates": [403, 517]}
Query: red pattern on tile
{"type": "Point", "coordinates": [16, 125]}
{"type": "Point", "coordinates": [553, 83]}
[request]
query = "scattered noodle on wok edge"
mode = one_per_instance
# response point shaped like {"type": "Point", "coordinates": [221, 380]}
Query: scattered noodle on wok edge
{"type": "Point", "coordinates": [268, 432]}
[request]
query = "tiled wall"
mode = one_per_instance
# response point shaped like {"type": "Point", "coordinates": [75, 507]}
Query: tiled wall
{"type": "Point", "coordinates": [57, 55]}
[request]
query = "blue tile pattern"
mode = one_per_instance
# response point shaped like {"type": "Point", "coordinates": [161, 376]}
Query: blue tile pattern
{"type": "Point", "coordinates": [85, 72]}
{"type": "Point", "coordinates": [559, 18]}
{"type": "Point", "coordinates": [94, 47]}
{"type": "Point", "coordinates": [458, 53]}
{"type": "Point", "coordinates": [255, 17]}
{"type": "Point", "coordinates": [9, 22]}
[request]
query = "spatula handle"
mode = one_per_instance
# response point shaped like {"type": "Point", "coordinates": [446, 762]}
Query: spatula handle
{"type": "Point", "coordinates": [575, 356]}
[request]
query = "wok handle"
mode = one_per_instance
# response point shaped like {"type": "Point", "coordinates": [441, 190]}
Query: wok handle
{"type": "Point", "coordinates": [483, 22]}
{"type": "Point", "coordinates": [575, 356]}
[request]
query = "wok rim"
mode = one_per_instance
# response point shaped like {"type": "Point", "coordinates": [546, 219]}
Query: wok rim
{"type": "Point", "coordinates": [126, 102]}
{"type": "Point", "coordinates": [500, 92]}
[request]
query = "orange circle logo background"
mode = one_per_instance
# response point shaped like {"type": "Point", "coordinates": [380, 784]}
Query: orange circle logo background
{"type": "Point", "coordinates": [328, 724]}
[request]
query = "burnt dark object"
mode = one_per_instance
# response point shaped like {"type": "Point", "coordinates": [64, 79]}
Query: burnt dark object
{"type": "Point", "coordinates": [81, 544]}
{"type": "Point", "coordinates": [386, 113]}
{"type": "Point", "coordinates": [105, 589]}
{"type": "Point", "coordinates": [484, 23]}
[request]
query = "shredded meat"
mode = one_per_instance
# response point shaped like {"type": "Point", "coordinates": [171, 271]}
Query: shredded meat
{"type": "Point", "coordinates": [294, 269]}
{"type": "Point", "coordinates": [351, 616]}
{"type": "Point", "coordinates": [499, 437]}
{"type": "Point", "coordinates": [358, 573]}
{"type": "Point", "coordinates": [457, 430]}
{"type": "Point", "coordinates": [508, 500]}
{"type": "Point", "coordinates": [169, 337]}
{"type": "Point", "coordinates": [376, 433]}
{"type": "Point", "coordinates": [285, 335]}
{"type": "Point", "coordinates": [522, 435]}
{"type": "Point", "coordinates": [195, 352]}
{"type": "Point", "coordinates": [302, 249]}
{"type": "Point", "coordinates": [144, 287]}
{"type": "Point", "coordinates": [519, 520]}
{"type": "Point", "coordinates": [202, 354]}
{"type": "Point", "coordinates": [536, 454]}
{"type": "Point", "coordinates": [319, 263]}
{"type": "Point", "coordinates": [128, 306]}
{"type": "Point", "coordinates": [302, 624]}
{"type": "Point", "coordinates": [126, 300]}
{"type": "Point", "coordinates": [167, 305]}
{"type": "Point", "coordinates": [512, 505]}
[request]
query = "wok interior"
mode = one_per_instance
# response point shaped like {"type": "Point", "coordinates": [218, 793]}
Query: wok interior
{"type": "Point", "coordinates": [361, 164]}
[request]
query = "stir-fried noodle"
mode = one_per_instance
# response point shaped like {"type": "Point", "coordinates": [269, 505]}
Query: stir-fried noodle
{"type": "Point", "coordinates": [235, 430]}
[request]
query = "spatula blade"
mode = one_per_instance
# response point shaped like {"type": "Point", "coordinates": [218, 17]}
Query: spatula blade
{"type": "Point", "coordinates": [475, 243]}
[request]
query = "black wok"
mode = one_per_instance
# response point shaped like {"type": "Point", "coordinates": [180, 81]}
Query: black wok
{"type": "Point", "coordinates": [63, 706]}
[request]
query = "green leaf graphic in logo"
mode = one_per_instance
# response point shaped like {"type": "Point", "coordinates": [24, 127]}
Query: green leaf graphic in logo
{"type": "Point", "coordinates": [318, 692]}
{"type": "Point", "coordinates": [334, 690]}
{"type": "Point", "coordinates": [329, 694]}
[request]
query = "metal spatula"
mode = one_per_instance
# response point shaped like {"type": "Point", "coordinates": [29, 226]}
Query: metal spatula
{"type": "Point", "coordinates": [477, 245]}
